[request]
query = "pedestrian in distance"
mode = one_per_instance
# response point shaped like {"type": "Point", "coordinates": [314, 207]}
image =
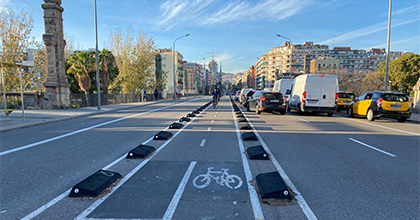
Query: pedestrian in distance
{"type": "Point", "coordinates": [143, 95]}
{"type": "Point", "coordinates": [156, 94]}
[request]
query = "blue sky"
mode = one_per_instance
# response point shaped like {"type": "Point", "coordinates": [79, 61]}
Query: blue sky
{"type": "Point", "coordinates": [239, 31]}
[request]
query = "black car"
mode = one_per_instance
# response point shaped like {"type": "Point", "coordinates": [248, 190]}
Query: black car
{"type": "Point", "coordinates": [266, 101]}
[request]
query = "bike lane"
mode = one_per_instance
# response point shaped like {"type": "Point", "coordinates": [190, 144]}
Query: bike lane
{"type": "Point", "coordinates": [164, 188]}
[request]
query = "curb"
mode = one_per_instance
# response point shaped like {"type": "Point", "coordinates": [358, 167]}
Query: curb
{"type": "Point", "coordinates": [78, 116]}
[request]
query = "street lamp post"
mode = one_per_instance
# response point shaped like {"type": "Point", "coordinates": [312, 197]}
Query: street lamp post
{"type": "Point", "coordinates": [387, 45]}
{"type": "Point", "coordinates": [173, 51]}
{"type": "Point", "coordinates": [97, 61]}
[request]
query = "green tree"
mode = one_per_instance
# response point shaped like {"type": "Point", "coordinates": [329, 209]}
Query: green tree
{"type": "Point", "coordinates": [108, 69]}
{"type": "Point", "coordinates": [373, 81]}
{"type": "Point", "coordinates": [404, 71]}
{"type": "Point", "coordinates": [81, 63]}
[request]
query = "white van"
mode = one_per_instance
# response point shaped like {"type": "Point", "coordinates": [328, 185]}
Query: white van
{"type": "Point", "coordinates": [282, 85]}
{"type": "Point", "coordinates": [314, 93]}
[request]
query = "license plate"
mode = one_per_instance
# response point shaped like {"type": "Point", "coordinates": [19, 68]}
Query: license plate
{"type": "Point", "coordinates": [312, 101]}
{"type": "Point", "coordinates": [346, 101]}
{"type": "Point", "coordinates": [274, 100]}
{"type": "Point", "coordinates": [395, 106]}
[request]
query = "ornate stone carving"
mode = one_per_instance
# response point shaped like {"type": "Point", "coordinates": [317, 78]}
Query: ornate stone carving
{"type": "Point", "coordinates": [56, 84]}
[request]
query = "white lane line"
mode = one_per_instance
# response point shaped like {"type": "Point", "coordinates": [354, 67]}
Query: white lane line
{"type": "Point", "coordinates": [255, 202]}
{"type": "Point", "coordinates": [380, 126]}
{"type": "Point", "coordinates": [301, 201]}
{"type": "Point", "coordinates": [202, 143]}
{"type": "Point", "coordinates": [214, 115]}
{"type": "Point", "coordinates": [208, 129]}
{"type": "Point", "coordinates": [303, 120]}
{"type": "Point", "coordinates": [98, 202]}
{"type": "Point", "coordinates": [212, 121]}
{"type": "Point", "coordinates": [63, 195]}
{"type": "Point", "coordinates": [374, 148]}
{"type": "Point", "coordinates": [85, 129]}
{"type": "Point", "coordinates": [175, 200]}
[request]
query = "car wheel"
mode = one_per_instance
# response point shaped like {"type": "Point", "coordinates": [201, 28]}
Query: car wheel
{"type": "Point", "coordinates": [369, 115]}
{"type": "Point", "coordinates": [283, 112]}
{"type": "Point", "coordinates": [299, 111]}
{"type": "Point", "coordinates": [330, 114]}
{"type": "Point", "coordinates": [287, 107]}
{"type": "Point", "coordinates": [247, 108]}
{"type": "Point", "coordinates": [350, 112]}
{"type": "Point", "coordinates": [401, 120]}
{"type": "Point", "coordinates": [257, 110]}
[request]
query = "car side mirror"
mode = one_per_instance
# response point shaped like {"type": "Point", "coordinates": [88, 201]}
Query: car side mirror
{"type": "Point", "coordinates": [355, 99]}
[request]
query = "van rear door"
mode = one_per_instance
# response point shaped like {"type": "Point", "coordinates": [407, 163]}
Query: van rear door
{"type": "Point", "coordinates": [328, 91]}
{"type": "Point", "coordinates": [313, 90]}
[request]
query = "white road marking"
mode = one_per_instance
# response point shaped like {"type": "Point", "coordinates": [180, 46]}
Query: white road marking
{"type": "Point", "coordinates": [214, 115]}
{"type": "Point", "coordinates": [85, 129]}
{"type": "Point", "coordinates": [374, 148]}
{"type": "Point", "coordinates": [175, 200]}
{"type": "Point", "coordinates": [301, 201]}
{"type": "Point", "coordinates": [255, 202]}
{"type": "Point", "coordinates": [63, 195]}
{"type": "Point", "coordinates": [98, 202]}
{"type": "Point", "coordinates": [208, 129]}
{"type": "Point", "coordinates": [203, 142]}
{"type": "Point", "coordinates": [380, 126]}
{"type": "Point", "coordinates": [304, 120]}
{"type": "Point", "coordinates": [231, 181]}
{"type": "Point", "coordinates": [212, 121]}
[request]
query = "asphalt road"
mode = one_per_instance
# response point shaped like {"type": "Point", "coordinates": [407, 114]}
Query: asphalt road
{"type": "Point", "coordinates": [337, 167]}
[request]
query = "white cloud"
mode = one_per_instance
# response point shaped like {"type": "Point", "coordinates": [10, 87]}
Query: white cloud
{"type": "Point", "coordinates": [203, 12]}
{"type": "Point", "coordinates": [4, 3]}
{"type": "Point", "coordinates": [393, 43]}
{"type": "Point", "coordinates": [366, 31]}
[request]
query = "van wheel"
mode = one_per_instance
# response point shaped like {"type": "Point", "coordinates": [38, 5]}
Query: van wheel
{"type": "Point", "coordinates": [257, 110]}
{"type": "Point", "coordinates": [299, 111]}
{"type": "Point", "coordinates": [330, 114]}
{"type": "Point", "coordinates": [350, 112]}
{"type": "Point", "coordinates": [401, 120]}
{"type": "Point", "coordinates": [369, 115]}
{"type": "Point", "coordinates": [247, 108]}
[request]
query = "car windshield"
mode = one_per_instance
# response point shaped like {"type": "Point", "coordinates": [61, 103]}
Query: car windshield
{"type": "Point", "coordinates": [395, 97]}
{"type": "Point", "coordinates": [346, 95]}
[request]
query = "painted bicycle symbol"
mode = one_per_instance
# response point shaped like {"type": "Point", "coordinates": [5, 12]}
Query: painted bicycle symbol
{"type": "Point", "coordinates": [231, 181]}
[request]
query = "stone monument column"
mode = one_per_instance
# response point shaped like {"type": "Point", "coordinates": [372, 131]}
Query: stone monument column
{"type": "Point", "coordinates": [56, 84]}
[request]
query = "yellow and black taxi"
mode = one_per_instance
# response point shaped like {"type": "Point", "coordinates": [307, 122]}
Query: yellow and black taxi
{"type": "Point", "coordinates": [344, 100]}
{"type": "Point", "coordinates": [375, 105]}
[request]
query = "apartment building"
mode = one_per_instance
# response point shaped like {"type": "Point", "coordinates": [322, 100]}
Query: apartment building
{"type": "Point", "coordinates": [194, 75]}
{"type": "Point", "coordinates": [320, 64]}
{"type": "Point", "coordinates": [167, 66]}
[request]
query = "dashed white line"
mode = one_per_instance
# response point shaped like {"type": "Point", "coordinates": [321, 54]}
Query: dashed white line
{"type": "Point", "coordinates": [202, 143]}
{"type": "Point", "coordinates": [374, 148]}
{"type": "Point", "coordinates": [208, 129]}
{"type": "Point", "coordinates": [214, 115]}
{"type": "Point", "coordinates": [175, 200]}
{"type": "Point", "coordinates": [304, 120]}
{"type": "Point", "coordinates": [212, 121]}
{"type": "Point", "coordinates": [85, 129]}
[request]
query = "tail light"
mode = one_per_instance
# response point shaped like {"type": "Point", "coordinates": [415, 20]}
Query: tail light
{"type": "Point", "coordinates": [304, 97]}
{"type": "Point", "coordinates": [279, 91]}
{"type": "Point", "coordinates": [336, 98]}
{"type": "Point", "coordinates": [284, 99]}
{"type": "Point", "coordinates": [410, 104]}
{"type": "Point", "coordinates": [379, 102]}
{"type": "Point", "coordinates": [262, 98]}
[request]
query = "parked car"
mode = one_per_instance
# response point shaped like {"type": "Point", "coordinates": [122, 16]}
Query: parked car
{"type": "Point", "coordinates": [375, 105]}
{"type": "Point", "coordinates": [242, 96]}
{"type": "Point", "coordinates": [265, 101]}
{"type": "Point", "coordinates": [282, 85]}
{"type": "Point", "coordinates": [344, 100]}
{"type": "Point", "coordinates": [237, 95]}
{"type": "Point", "coordinates": [248, 96]}
{"type": "Point", "coordinates": [314, 93]}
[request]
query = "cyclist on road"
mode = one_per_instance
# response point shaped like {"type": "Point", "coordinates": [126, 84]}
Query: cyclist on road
{"type": "Point", "coordinates": [215, 97]}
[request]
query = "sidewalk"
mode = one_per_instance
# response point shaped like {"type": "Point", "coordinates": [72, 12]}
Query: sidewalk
{"type": "Point", "coordinates": [44, 116]}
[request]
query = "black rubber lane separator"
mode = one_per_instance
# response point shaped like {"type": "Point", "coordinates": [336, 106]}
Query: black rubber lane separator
{"type": "Point", "coordinates": [238, 112]}
{"type": "Point", "coordinates": [242, 120]}
{"type": "Point", "coordinates": [140, 152]}
{"type": "Point", "coordinates": [175, 125]}
{"type": "Point", "coordinates": [257, 153]}
{"type": "Point", "coordinates": [162, 135]}
{"type": "Point", "coordinates": [190, 115]}
{"type": "Point", "coordinates": [196, 112]}
{"type": "Point", "coordinates": [249, 136]}
{"type": "Point", "coordinates": [240, 116]}
{"type": "Point", "coordinates": [244, 126]}
{"type": "Point", "coordinates": [272, 186]}
{"type": "Point", "coordinates": [94, 184]}
{"type": "Point", "coordinates": [184, 119]}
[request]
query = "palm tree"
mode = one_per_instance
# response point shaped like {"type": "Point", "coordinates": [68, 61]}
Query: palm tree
{"type": "Point", "coordinates": [106, 62]}
{"type": "Point", "coordinates": [81, 64]}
